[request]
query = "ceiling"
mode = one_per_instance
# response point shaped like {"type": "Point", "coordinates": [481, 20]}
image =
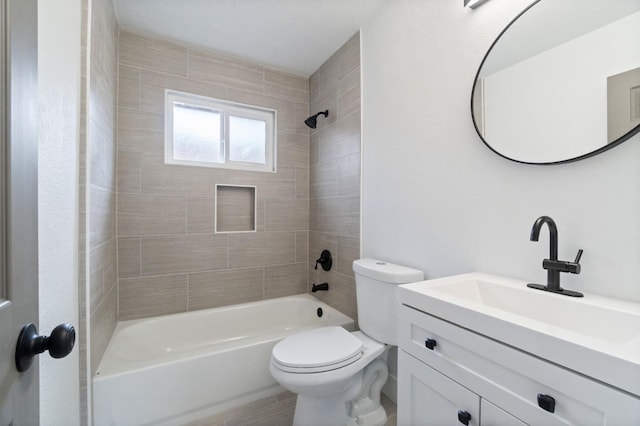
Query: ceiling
{"type": "Point", "coordinates": [291, 35]}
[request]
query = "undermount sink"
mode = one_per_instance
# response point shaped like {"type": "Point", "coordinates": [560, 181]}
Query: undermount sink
{"type": "Point", "coordinates": [594, 335]}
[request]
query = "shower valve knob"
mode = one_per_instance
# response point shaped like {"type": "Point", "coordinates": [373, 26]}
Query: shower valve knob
{"type": "Point", "coordinates": [325, 260]}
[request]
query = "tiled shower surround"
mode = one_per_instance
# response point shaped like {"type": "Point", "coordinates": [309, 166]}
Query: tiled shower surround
{"type": "Point", "coordinates": [334, 186]}
{"type": "Point", "coordinates": [169, 257]}
{"type": "Point", "coordinates": [147, 229]}
{"type": "Point", "coordinates": [98, 184]}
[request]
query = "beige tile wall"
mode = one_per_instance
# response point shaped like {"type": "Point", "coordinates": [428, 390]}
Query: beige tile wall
{"type": "Point", "coordinates": [98, 178]}
{"type": "Point", "coordinates": [82, 341]}
{"type": "Point", "coordinates": [334, 174]}
{"type": "Point", "coordinates": [236, 209]}
{"type": "Point", "coordinates": [170, 260]}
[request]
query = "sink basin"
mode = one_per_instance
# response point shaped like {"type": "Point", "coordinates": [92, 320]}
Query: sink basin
{"type": "Point", "coordinates": [561, 312]}
{"type": "Point", "coordinates": [594, 335]}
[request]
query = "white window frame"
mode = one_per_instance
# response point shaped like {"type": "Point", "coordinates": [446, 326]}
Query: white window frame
{"type": "Point", "coordinates": [226, 109]}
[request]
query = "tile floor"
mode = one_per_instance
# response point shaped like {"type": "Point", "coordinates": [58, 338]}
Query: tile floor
{"type": "Point", "coordinates": [275, 410]}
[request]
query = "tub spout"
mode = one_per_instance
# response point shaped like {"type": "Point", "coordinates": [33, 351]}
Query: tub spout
{"type": "Point", "coordinates": [319, 287]}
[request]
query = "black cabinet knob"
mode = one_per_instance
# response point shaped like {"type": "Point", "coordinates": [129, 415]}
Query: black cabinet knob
{"type": "Point", "coordinates": [547, 403]}
{"type": "Point", "coordinates": [430, 343]}
{"type": "Point", "coordinates": [59, 344]}
{"type": "Point", "coordinates": [464, 417]}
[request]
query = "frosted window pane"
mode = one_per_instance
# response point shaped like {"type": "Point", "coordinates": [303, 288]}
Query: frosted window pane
{"type": "Point", "coordinates": [196, 134]}
{"type": "Point", "coordinates": [247, 140]}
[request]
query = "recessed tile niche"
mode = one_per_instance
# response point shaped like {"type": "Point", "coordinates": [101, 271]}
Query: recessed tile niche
{"type": "Point", "coordinates": [235, 208]}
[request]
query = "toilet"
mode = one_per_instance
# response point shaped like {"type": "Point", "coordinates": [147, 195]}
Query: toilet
{"type": "Point", "coordinates": [337, 374]}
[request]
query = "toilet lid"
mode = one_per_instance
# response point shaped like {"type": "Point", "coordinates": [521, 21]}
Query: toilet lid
{"type": "Point", "coordinates": [320, 349]}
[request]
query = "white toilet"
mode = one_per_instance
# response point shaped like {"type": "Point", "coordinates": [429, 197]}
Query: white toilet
{"type": "Point", "coordinates": [336, 374]}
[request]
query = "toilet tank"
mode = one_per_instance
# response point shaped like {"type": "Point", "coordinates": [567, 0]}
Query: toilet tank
{"type": "Point", "coordinates": [376, 287]}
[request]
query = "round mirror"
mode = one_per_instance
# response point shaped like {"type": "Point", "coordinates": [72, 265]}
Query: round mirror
{"type": "Point", "coordinates": [561, 82]}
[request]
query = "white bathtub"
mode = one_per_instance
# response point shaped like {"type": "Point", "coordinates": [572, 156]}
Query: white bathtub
{"type": "Point", "coordinates": [178, 368]}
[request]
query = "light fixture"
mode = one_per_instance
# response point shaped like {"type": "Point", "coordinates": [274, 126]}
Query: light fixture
{"type": "Point", "coordinates": [473, 3]}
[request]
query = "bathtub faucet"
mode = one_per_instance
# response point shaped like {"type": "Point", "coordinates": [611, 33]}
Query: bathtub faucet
{"type": "Point", "coordinates": [319, 287]}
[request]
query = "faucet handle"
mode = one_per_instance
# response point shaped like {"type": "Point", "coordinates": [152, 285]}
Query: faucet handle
{"type": "Point", "coordinates": [563, 265]}
{"type": "Point", "coordinates": [574, 267]}
{"type": "Point", "coordinates": [325, 260]}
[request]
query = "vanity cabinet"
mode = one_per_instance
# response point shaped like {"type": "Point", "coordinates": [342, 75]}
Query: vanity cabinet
{"type": "Point", "coordinates": [445, 371]}
{"type": "Point", "coordinates": [427, 397]}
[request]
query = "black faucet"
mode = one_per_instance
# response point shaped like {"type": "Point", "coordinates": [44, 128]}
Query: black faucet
{"type": "Point", "coordinates": [553, 265]}
{"type": "Point", "coordinates": [319, 287]}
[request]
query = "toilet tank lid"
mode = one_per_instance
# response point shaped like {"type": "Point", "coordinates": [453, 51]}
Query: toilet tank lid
{"type": "Point", "coordinates": [386, 271]}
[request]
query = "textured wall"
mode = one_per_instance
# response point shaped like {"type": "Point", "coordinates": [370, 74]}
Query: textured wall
{"type": "Point", "coordinates": [437, 199]}
{"type": "Point", "coordinates": [170, 260]}
{"type": "Point", "coordinates": [59, 121]}
{"type": "Point", "coordinates": [334, 183]}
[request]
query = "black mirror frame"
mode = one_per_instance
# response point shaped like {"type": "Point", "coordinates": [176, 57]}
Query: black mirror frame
{"type": "Point", "coordinates": [607, 147]}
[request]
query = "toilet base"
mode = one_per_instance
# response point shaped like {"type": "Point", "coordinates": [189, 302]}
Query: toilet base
{"type": "Point", "coordinates": [377, 417]}
{"type": "Point", "coordinates": [320, 411]}
{"type": "Point", "coordinates": [334, 412]}
{"type": "Point", "coordinates": [358, 405]}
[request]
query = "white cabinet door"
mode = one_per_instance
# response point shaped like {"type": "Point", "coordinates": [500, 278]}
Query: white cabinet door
{"type": "Point", "coordinates": [426, 397]}
{"type": "Point", "coordinates": [494, 416]}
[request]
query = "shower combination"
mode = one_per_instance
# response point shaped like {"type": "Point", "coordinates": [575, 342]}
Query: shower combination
{"type": "Point", "coordinates": [313, 120]}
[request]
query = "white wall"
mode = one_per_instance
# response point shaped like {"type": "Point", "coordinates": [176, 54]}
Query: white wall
{"type": "Point", "coordinates": [525, 95]}
{"type": "Point", "coordinates": [58, 136]}
{"type": "Point", "coordinates": [434, 197]}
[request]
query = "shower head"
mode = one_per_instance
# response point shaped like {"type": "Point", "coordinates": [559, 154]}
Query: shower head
{"type": "Point", "coordinates": [313, 120]}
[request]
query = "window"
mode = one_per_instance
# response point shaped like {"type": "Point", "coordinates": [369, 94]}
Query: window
{"type": "Point", "coordinates": [207, 132]}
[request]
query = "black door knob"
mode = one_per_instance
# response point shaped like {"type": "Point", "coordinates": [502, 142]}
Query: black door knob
{"type": "Point", "coordinates": [59, 344]}
{"type": "Point", "coordinates": [430, 343]}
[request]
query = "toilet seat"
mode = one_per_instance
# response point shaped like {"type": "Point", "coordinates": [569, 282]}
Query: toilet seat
{"type": "Point", "coordinates": [318, 350]}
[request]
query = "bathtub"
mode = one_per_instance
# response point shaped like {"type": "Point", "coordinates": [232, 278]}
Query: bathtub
{"type": "Point", "coordinates": [179, 368]}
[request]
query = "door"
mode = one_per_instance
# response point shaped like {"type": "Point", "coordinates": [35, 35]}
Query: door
{"type": "Point", "coordinates": [18, 205]}
{"type": "Point", "coordinates": [494, 416]}
{"type": "Point", "coordinates": [623, 103]}
{"type": "Point", "coordinates": [427, 397]}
